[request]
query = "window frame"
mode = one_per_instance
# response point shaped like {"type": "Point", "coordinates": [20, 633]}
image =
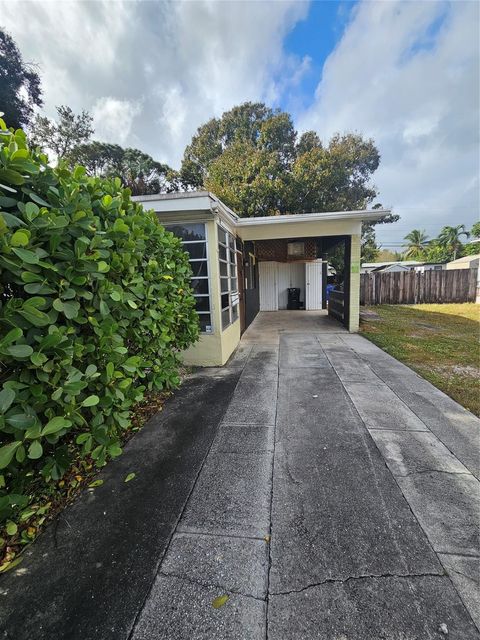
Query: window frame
{"type": "Point", "coordinates": [230, 249]}
{"type": "Point", "coordinates": [191, 262]}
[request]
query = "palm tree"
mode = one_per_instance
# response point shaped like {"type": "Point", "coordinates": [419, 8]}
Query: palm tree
{"type": "Point", "coordinates": [449, 237]}
{"type": "Point", "coordinates": [417, 243]}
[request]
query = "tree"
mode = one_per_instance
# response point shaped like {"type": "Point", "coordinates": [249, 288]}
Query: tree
{"type": "Point", "coordinates": [449, 238]}
{"type": "Point", "coordinates": [254, 123]}
{"type": "Point", "coordinates": [473, 247]}
{"type": "Point", "coordinates": [62, 136]}
{"type": "Point", "coordinates": [137, 170]}
{"type": "Point", "coordinates": [335, 178]}
{"type": "Point", "coordinates": [20, 89]}
{"type": "Point", "coordinates": [475, 231]}
{"type": "Point", "coordinates": [308, 141]}
{"type": "Point", "coordinates": [250, 180]}
{"type": "Point", "coordinates": [417, 243]}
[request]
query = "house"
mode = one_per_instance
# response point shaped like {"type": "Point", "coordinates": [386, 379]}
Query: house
{"type": "Point", "coordinates": [467, 262]}
{"type": "Point", "coordinates": [245, 265]}
{"type": "Point", "coordinates": [400, 265]}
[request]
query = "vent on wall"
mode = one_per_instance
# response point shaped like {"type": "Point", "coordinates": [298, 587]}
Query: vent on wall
{"type": "Point", "coordinates": [296, 249]}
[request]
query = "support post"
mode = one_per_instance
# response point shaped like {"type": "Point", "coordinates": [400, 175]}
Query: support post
{"type": "Point", "coordinates": [354, 284]}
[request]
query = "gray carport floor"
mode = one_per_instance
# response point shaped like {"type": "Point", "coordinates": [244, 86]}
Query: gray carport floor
{"type": "Point", "coordinates": [339, 501]}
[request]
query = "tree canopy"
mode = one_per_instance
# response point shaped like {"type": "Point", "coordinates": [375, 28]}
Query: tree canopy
{"type": "Point", "coordinates": [20, 89]}
{"type": "Point", "coordinates": [62, 136]}
{"type": "Point", "coordinates": [253, 158]}
{"type": "Point", "coordinates": [137, 170]}
{"type": "Point", "coordinates": [445, 247]}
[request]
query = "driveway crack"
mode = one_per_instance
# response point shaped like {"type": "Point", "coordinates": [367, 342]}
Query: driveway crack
{"type": "Point", "coordinates": [360, 577]}
{"type": "Point", "coordinates": [207, 584]}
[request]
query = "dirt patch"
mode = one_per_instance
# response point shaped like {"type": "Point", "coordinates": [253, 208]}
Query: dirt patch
{"type": "Point", "coordinates": [459, 370]}
{"type": "Point", "coordinates": [369, 316]}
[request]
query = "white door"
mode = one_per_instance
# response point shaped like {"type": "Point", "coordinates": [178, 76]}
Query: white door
{"type": "Point", "coordinates": [283, 283]}
{"type": "Point", "coordinates": [313, 285]}
{"type": "Point", "coordinates": [267, 272]}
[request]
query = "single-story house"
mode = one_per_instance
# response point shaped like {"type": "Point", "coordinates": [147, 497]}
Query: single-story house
{"type": "Point", "coordinates": [467, 262]}
{"type": "Point", "coordinates": [400, 265]}
{"type": "Point", "coordinates": [245, 265]}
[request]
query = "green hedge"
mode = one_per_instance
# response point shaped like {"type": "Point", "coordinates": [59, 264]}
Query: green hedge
{"type": "Point", "coordinates": [95, 307]}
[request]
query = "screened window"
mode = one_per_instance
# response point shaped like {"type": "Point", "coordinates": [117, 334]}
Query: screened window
{"type": "Point", "coordinates": [194, 240]}
{"type": "Point", "coordinates": [228, 277]}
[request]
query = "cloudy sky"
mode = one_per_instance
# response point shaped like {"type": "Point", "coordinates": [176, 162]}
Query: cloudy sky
{"type": "Point", "coordinates": [403, 72]}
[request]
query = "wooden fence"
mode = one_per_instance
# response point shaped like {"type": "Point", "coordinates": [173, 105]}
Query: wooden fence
{"type": "Point", "coordinates": [411, 287]}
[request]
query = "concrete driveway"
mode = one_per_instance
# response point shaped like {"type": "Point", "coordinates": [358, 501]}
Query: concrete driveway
{"type": "Point", "coordinates": [337, 499]}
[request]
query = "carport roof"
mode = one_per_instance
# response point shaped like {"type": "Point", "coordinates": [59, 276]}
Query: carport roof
{"type": "Point", "coordinates": [207, 202]}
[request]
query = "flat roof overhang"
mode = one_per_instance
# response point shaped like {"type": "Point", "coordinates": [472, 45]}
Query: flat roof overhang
{"type": "Point", "coordinates": [203, 205]}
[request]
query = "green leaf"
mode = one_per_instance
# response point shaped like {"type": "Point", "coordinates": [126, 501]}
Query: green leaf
{"type": "Point", "coordinates": [21, 421]}
{"type": "Point", "coordinates": [11, 220]}
{"type": "Point", "coordinates": [71, 309]}
{"type": "Point", "coordinates": [7, 396]}
{"type": "Point", "coordinates": [27, 256]}
{"type": "Point", "coordinates": [11, 336]}
{"type": "Point", "coordinates": [103, 266]}
{"type": "Point", "coordinates": [91, 401]}
{"type": "Point", "coordinates": [129, 477]}
{"type": "Point", "coordinates": [20, 238]}
{"type": "Point", "coordinates": [115, 296]}
{"type": "Point", "coordinates": [37, 358]}
{"type": "Point", "coordinates": [7, 452]}
{"type": "Point", "coordinates": [220, 601]}
{"type": "Point", "coordinates": [11, 528]}
{"type": "Point", "coordinates": [19, 350]}
{"type": "Point", "coordinates": [31, 211]}
{"type": "Point", "coordinates": [55, 425]}
{"type": "Point", "coordinates": [35, 450]}
{"type": "Point", "coordinates": [95, 483]}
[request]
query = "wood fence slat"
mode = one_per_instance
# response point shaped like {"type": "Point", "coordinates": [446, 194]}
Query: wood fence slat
{"type": "Point", "coordinates": [411, 287]}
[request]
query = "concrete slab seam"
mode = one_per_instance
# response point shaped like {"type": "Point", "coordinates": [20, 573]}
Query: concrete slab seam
{"type": "Point", "coordinates": [416, 414]}
{"type": "Point", "coordinates": [267, 595]}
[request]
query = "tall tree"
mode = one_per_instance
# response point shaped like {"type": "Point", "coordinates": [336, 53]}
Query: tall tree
{"type": "Point", "coordinates": [417, 242]}
{"type": "Point", "coordinates": [449, 238]}
{"type": "Point", "coordinates": [63, 135]}
{"type": "Point", "coordinates": [308, 141]}
{"type": "Point", "coordinates": [20, 89]}
{"type": "Point", "coordinates": [137, 170]}
{"type": "Point", "coordinates": [254, 123]}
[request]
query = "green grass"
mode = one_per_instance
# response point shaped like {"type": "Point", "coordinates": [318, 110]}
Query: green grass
{"type": "Point", "coordinates": [439, 341]}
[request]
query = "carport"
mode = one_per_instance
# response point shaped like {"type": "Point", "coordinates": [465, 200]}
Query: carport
{"type": "Point", "coordinates": [241, 266]}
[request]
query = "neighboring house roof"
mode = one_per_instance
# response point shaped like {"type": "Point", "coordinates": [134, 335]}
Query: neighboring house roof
{"type": "Point", "coordinates": [466, 259]}
{"type": "Point", "coordinates": [466, 262]}
{"type": "Point", "coordinates": [390, 267]}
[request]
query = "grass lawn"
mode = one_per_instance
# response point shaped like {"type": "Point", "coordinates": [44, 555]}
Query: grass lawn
{"type": "Point", "coordinates": [439, 341]}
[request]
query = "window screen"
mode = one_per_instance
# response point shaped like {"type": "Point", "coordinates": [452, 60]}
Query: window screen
{"type": "Point", "coordinates": [194, 240]}
{"type": "Point", "coordinates": [228, 277]}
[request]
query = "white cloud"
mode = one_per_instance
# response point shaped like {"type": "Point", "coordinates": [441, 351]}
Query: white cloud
{"type": "Point", "coordinates": [156, 70]}
{"type": "Point", "coordinates": [406, 74]}
{"type": "Point", "coordinates": [114, 119]}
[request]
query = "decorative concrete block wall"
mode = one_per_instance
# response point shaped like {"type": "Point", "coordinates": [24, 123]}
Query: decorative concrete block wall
{"type": "Point", "coordinates": [277, 250]}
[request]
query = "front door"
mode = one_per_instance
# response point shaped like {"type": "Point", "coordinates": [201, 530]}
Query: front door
{"type": "Point", "coordinates": [313, 285]}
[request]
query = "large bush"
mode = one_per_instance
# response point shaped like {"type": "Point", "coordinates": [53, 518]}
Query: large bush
{"type": "Point", "coordinates": [95, 307]}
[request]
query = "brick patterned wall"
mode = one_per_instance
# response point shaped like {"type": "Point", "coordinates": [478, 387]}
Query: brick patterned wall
{"type": "Point", "coordinates": [277, 250]}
